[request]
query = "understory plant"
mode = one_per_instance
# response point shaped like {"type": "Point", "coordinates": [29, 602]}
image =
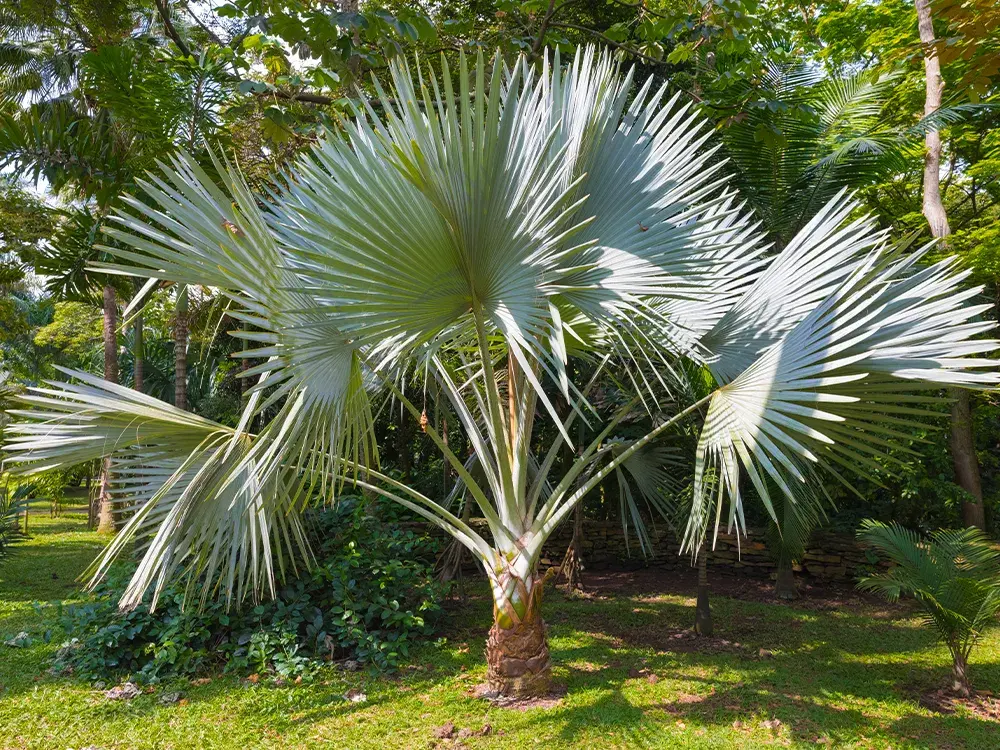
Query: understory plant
{"type": "Point", "coordinates": [954, 574]}
{"type": "Point", "coordinates": [474, 231]}
{"type": "Point", "coordinates": [370, 596]}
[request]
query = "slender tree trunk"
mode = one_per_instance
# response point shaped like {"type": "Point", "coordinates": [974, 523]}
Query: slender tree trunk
{"type": "Point", "coordinates": [105, 514]}
{"type": "Point", "coordinates": [138, 353]}
{"type": "Point", "coordinates": [572, 565]}
{"type": "Point", "coordinates": [180, 348]}
{"type": "Point", "coordinates": [90, 502]}
{"type": "Point", "coordinates": [517, 649]}
{"type": "Point", "coordinates": [966, 462]}
{"type": "Point", "coordinates": [934, 210]}
{"type": "Point", "coordinates": [962, 441]}
{"type": "Point", "coordinates": [784, 584]}
{"type": "Point", "coordinates": [960, 674]}
{"type": "Point", "coordinates": [703, 609]}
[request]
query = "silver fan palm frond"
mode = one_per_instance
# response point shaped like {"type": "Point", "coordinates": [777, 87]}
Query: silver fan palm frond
{"type": "Point", "coordinates": [481, 227]}
{"type": "Point", "coordinates": [845, 382]}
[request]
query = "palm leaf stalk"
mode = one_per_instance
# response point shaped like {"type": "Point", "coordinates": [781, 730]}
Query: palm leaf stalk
{"type": "Point", "coordinates": [487, 226]}
{"type": "Point", "coordinates": [955, 577]}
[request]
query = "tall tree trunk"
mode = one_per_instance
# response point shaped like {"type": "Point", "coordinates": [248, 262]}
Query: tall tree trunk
{"type": "Point", "coordinates": [105, 514]}
{"type": "Point", "coordinates": [962, 441]}
{"type": "Point", "coordinates": [934, 210]}
{"type": "Point", "coordinates": [964, 459]}
{"type": "Point", "coordinates": [138, 353]}
{"type": "Point", "coordinates": [703, 609]}
{"type": "Point", "coordinates": [517, 649]}
{"type": "Point", "coordinates": [180, 348]}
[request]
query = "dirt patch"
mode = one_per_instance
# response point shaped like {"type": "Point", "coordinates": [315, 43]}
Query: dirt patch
{"type": "Point", "coordinates": [552, 699]}
{"type": "Point", "coordinates": [984, 705]}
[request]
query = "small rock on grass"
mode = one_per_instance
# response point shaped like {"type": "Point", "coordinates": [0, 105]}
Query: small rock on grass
{"type": "Point", "coordinates": [126, 692]}
{"type": "Point", "coordinates": [169, 699]}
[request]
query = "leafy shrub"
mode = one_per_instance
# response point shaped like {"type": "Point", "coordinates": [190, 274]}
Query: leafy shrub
{"type": "Point", "coordinates": [371, 595]}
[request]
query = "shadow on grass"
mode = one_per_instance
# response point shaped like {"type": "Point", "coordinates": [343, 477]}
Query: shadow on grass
{"type": "Point", "coordinates": [838, 675]}
{"type": "Point", "coordinates": [37, 572]}
{"type": "Point", "coordinates": [808, 677]}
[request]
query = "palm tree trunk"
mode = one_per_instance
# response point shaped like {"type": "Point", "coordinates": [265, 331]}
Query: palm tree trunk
{"type": "Point", "coordinates": [703, 609]}
{"type": "Point", "coordinates": [962, 441]}
{"type": "Point", "coordinates": [784, 584]}
{"type": "Point", "coordinates": [138, 353]}
{"type": "Point", "coordinates": [180, 348]}
{"type": "Point", "coordinates": [960, 674]}
{"type": "Point", "coordinates": [517, 649]}
{"type": "Point", "coordinates": [105, 514]}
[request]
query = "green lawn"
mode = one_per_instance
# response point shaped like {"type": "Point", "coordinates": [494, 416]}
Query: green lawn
{"type": "Point", "coordinates": [835, 679]}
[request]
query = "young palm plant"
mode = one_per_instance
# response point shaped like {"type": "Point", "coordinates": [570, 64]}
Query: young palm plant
{"type": "Point", "coordinates": [955, 577]}
{"type": "Point", "coordinates": [482, 228]}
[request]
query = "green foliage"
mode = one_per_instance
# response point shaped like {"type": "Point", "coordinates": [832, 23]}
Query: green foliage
{"type": "Point", "coordinates": [371, 597]}
{"type": "Point", "coordinates": [75, 331]}
{"type": "Point", "coordinates": [954, 575]}
{"type": "Point", "coordinates": [11, 504]}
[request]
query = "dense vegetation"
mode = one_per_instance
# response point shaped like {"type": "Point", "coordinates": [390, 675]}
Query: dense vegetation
{"type": "Point", "coordinates": [892, 99]}
{"type": "Point", "coordinates": [369, 598]}
{"type": "Point", "coordinates": [804, 100]}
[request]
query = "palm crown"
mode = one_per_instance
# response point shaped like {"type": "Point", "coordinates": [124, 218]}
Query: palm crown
{"type": "Point", "coordinates": [481, 229]}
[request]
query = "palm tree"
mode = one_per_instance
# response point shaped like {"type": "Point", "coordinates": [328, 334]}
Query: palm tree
{"type": "Point", "coordinates": [481, 230]}
{"type": "Point", "coordinates": [954, 575]}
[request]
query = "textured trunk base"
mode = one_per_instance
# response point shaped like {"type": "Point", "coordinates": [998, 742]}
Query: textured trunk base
{"type": "Point", "coordinates": [784, 584]}
{"type": "Point", "coordinates": [517, 658]}
{"type": "Point", "coordinates": [960, 677]}
{"type": "Point", "coordinates": [703, 614]}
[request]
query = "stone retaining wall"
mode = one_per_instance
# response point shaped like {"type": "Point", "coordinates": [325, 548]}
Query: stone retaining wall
{"type": "Point", "coordinates": [829, 556]}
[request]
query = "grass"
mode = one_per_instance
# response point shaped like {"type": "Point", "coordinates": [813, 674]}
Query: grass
{"type": "Point", "coordinates": [835, 679]}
